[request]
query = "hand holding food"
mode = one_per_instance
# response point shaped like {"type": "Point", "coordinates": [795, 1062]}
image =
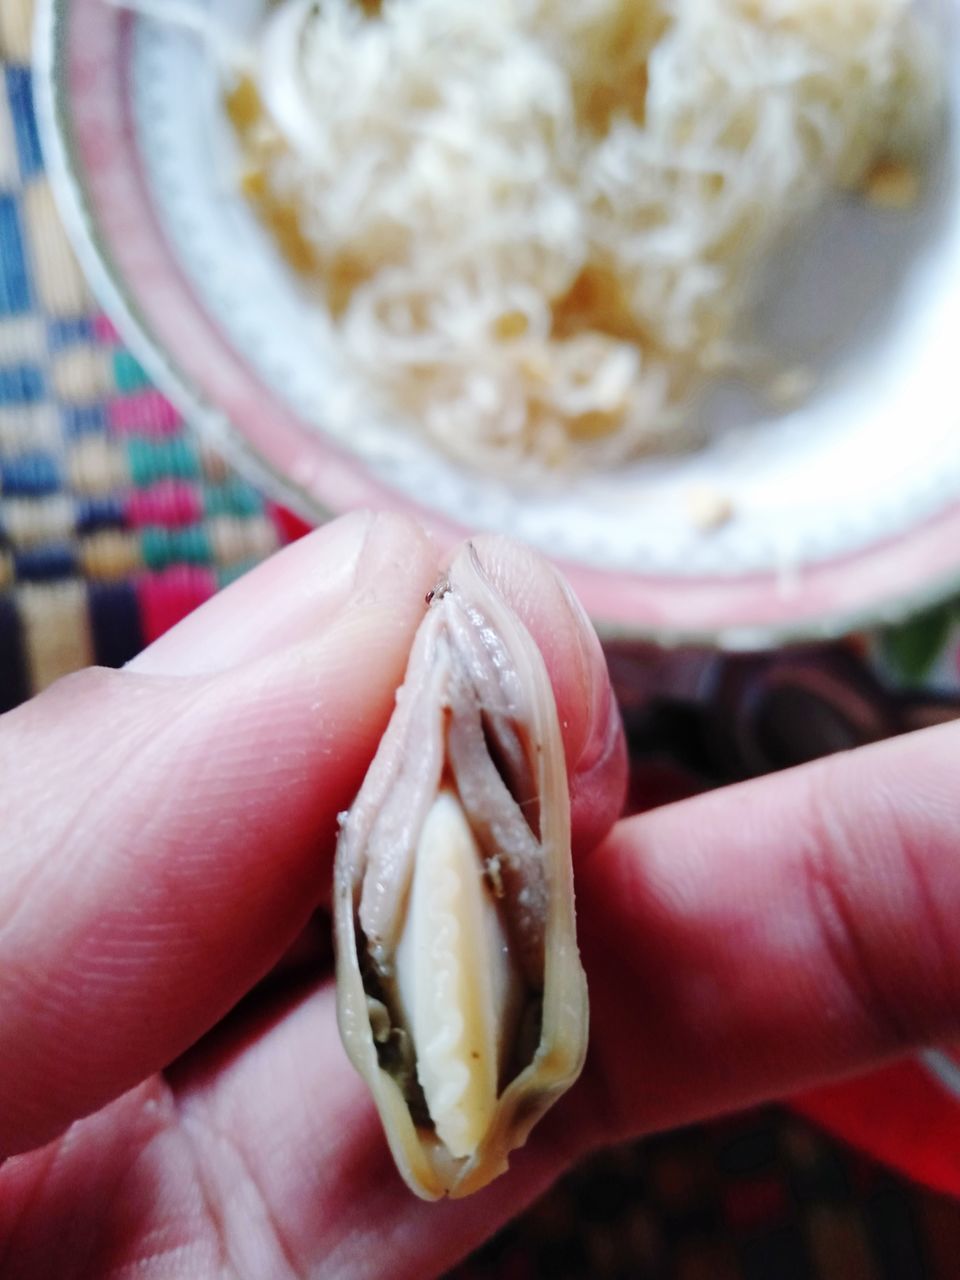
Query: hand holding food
{"type": "Point", "coordinates": [169, 832]}
{"type": "Point", "coordinates": [462, 998]}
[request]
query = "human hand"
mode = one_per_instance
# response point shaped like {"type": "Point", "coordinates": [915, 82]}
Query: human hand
{"type": "Point", "coordinates": [168, 832]}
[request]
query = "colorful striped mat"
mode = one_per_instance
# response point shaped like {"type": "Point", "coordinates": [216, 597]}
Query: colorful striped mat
{"type": "Point", "coordinates": [115, 521]}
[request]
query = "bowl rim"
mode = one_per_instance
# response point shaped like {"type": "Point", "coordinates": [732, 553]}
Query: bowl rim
{"type": "Point", "coordinates": [824, 601]}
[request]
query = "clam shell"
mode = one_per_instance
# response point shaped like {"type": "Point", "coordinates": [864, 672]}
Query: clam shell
{"type": "Point", "coordinates": [476, 723]}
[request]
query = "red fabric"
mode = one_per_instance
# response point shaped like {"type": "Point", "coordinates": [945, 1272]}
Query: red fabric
{"type": "Point", "coordinates": [901, 1115]}
{"type": "Point", "coordinates": [289, 526]}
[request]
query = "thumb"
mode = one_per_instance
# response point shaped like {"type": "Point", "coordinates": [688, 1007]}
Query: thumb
{"type": "Point", "coordinates": [166, 828]}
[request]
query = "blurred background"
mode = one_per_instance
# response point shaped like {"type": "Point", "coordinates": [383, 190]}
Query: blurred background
{"type": "Point", "coordinates": [116, 520]}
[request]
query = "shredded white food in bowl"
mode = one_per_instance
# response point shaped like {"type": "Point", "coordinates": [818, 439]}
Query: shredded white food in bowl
{"type": "Point", "coordinates": [537, 223]}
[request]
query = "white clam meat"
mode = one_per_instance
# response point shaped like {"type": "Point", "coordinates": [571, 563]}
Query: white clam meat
{"type": "Point", "coordinates": [461, 997]}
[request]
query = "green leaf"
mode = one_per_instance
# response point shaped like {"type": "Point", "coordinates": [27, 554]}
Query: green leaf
{"type": "Point", "coordinates": [913, 647]}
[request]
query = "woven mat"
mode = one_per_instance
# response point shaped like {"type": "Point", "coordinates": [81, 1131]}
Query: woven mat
{"type": "Point", "coordinates": [115, 521]}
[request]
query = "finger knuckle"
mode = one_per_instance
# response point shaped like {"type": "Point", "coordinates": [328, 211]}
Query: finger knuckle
{"type": "Point", "coordinates": [878, 922]}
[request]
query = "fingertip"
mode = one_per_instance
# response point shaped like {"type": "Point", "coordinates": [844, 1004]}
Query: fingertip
{"type": "Point", "coordinates": [598, 793]}
{"type": "Point", "coordinates": [398, 557]}
{"type": "Point", "coordinates": [588, 712]}
{"type": "Point", "coordinates": [289, 597]}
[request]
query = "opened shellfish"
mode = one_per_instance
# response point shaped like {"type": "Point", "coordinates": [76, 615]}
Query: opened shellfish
{"type": "Point", "coordinates": [461, 997]}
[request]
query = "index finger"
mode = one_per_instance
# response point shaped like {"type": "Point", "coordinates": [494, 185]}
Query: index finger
{"type": "Point", "coordinates": [754, 941]}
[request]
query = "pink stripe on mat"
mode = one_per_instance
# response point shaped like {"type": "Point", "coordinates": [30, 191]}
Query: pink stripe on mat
{"type": "Point", "coordinates": [105, 332]}
{"type": "Point", "coordinates": [168, 596]}
{"type": "Point", "coordinates": [146, 413]}
{"type": "Point", "coordinates": [168, 503]}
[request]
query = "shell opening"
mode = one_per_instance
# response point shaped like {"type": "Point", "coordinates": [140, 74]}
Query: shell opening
{"type": "Point", "coordinates": [455, 1019]}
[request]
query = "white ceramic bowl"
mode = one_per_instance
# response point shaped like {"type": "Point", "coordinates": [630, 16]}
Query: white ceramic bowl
{"type": "Point", "coordinates": [845, 511]}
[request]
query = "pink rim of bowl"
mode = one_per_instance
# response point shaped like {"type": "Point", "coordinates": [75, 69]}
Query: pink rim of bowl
{"type": "Point", "coordinates": [85, 118]}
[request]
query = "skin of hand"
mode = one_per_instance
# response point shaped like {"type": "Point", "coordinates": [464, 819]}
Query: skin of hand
{"type": "Point", "coordinates": [174, 1098]}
